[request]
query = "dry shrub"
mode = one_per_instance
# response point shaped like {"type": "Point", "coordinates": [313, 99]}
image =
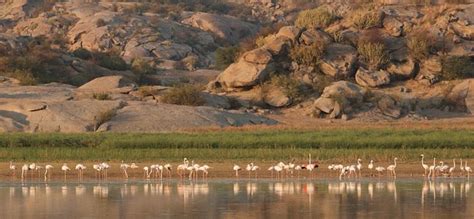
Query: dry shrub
{"type": "Point", "coordinates": [372, 49]}
{"type": "Point", "coordinates": [308, 55]}
{"type": "Point", "coordinates": [315, 18]}
{"type": "Point", "coordinates": [420, 43]}
{"type": "Point", "coordinates": [186, 94]}
{"type": "Point", "coordinates": [366, 18]}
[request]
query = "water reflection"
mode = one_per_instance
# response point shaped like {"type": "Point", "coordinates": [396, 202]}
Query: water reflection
{"type": "Point", "coordinates": [231, 199]}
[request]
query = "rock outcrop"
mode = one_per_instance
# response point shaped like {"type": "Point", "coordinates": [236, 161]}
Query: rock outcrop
{"type": "Point", "coordinates": [339, 61]}
{"type": "Point", "coordinates": [462, 95]}
{"type": "Point", "coordinates": [369, 78]}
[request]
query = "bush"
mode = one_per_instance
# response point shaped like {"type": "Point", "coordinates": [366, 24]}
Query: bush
{"type": "Point", "coordinates": [291, 87]}
{"type": "Point", "coordinates": [307, 55]}
{"type": "Point", "coordinates": [82, 53]}
{"type": "Point", "coordinates": [101, 96]}
{"type": "Point", "coordinates": [110, 61]}
{"type": "Point", "coordinates": [226, 56]}
{"type": "Point", "coordinates": [184, 95]}
{"type": "Point", "coordinates": [104, 117]}
{"type": "Point", "coordinates": [315, 18]}
{"type": "Point", "coordinates": [100, 22]}
{"type": "Point", "coordinates": [374, 54]}
{"type": "Point", "coordinates": [457, 67]}
{"type": "Point", "coordinates": [142, 67]}
{"type": "Point", "coordinates": [420, 44]}
{"type": "Point", "coordinates": [25, 77]}
{"type": "Point", "coordinates": [321, 82]}
{"type": "Point", "coordinates": [366, 18]}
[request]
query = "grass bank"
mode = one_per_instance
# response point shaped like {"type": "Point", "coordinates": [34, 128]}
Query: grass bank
{"type": "Point", "coordinates": [262, 145]}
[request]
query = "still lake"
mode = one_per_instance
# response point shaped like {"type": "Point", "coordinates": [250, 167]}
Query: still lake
{"type": "Point", "coordinates": [227, 198]}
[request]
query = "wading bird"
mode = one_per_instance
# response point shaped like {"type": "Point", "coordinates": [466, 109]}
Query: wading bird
{"type": "Point", "coordinates": [451, 170]}
{"type": "Point", "coordinates": [32, 167]}
{"type": "Point", "coordinates": [80, 170]}
{"type": "Point", "coordinates": [462, 168]}
{"type": "Point", "coordinates": [124, 168]}
{"type": "Point", "coordinates": [359, 166]}
{"type": "Point", "coordinates": [98, 170]}
{"type": "Point", "coordinates": [105, 168]}
{"type": "Point", "coordinates": [24, 171]}
{"type": "Point", "coordinates": [47, 171]}
{"type": "Point", "coordinates": [168, 168]}
{"type": "Point", "coordinates": [467, 169]}
{"type": "Point", "coordinates": [380, 170]}
{"type": "Point", "coordinates": [392, 167]}
{"type": "Point", "coordinates": [12, 168]}
{"type": "Point", "coordinates": [236, 168]}
{"type": "Point", "coordinates": [432, 169]}
{"type": "Point", "coordinates": [204, 169]}
{"type": "Point", "coordinates": [65, 168]}
{"type": "Point", "coordinates": [371, 167]}
{"type": "Point", "coordinates": [181, 169]}
{"type": "Point", "coordinates": [147, 172]}
{"type": "Point", "coordinates": [425, 166]}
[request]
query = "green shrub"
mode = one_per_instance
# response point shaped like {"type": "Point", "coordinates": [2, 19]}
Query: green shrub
{"type": "Point", "coordinates": [82, 53]}
{"type": "Point", "coordinates": [184, 95]}
{"type": "Point", "coordinates": [315, 18]}
{"type": "Point", "coordinates": [101, 96]}
{"type": "Point", "coordinates": [366, 18]}
{"type": "Point", "coordinates": [373, 54]}
{"type": "Point", "coordinates": [307, 55]}
{"type": "Point", "coordinates": [419, 44]}
{"type": "Point", "coordinates": [458, 67]}
{"type": "Point", "coordinates": [291, 87]}
{"type": "Point", "coordinates": [226, 56]}
{"type": "Point", "coordinates": [110, 61]}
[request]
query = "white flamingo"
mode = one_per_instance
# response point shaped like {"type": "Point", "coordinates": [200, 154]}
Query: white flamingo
{"type": "Point", "coordinates": [147, 172]}
{"type": "Point", "coordinates": [105, 168]}
{"type": "Point", "coordinates": [255, 169]}
{"type": "Point", "coordinates": [249, 168]}
{"type": "Point", "coordinates": [65, 168]}
{"type": "Point", "coordinates": [236, 168]}
{"type": "Point", "coordinates": [467, 169]}
{"type": "Point", "coordinates": [380, 170]}
{"type": "Point", "coordinates": [98, 169]}
{"type": "Point", "coordinates": [180, 169]}
{"type": "Point", "coordinates": [168, 168]}
{"type": "Point", "coordinates": [24, 171]}
{"type": "Point", "coordinates": [204, 169]}
{"type": "Point", "coordinates": [32, 167]}
{"type": "Point", "coordinates": [359, 166]}
{"type": "Point", "coordinates": [38, 169]}
{"type": "Point", "coordinates": [271, 169]}
{"type": "Point", "coordinates": [12, 168]}
{"type": "Point", "coordinates": [47, 173]}
{"type": "Point", "coordinates": [432, 169]}
{"type": "Point", "coordinates": [371, 167]}
{"type": "Point", "coordinates": [80, 170]}
{"type": "Point", "coordinates": [278, 169]}
{"type": "Point", "coordinates": [124, 168]}
{"type": "Point", "coordinates": [344, 171]}
{"type": "Point", "coordinates": [462, 168]}
{"type": "Point", "coordinates": [451, 170]}
{"type": "Point", "coordinates": [425, 166]}
{"type": "Point", "coordinates": [392, 167]}
{"type": "Point", "coordinates": [298, 168]}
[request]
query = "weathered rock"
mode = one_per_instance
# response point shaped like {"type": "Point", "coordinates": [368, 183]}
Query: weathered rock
{"type": "Point", "coordinates": [275, 97]}
{"type": "Point", "coordinates": [389, 107]}
{"type": "Point", "coordinates": [403, 70]}
{"type": "Point", "coordinates": [311, 36]}
{"type": "Point", "coordinates": [109, 84]}
{"type": "Point", "coordinates": [349, 91]}
{"type": "Point", "coordinates": [225, 27]}
{"type": "Point", "coordinates": [216, 101]}
{"type": "Point", "coordinates": [278, 45]}
{"type": "Point", "coordinates": [324, 104]}
{"type": "Point", "coordinates": [369, 78]}
{"type": "Point", "coordinates": [430, 70]}
{"type": "Point", "coordinates": [290, 32]}
{"type": "Point", "coordinates": [163, 118]}
{"type": "Point", "coordinates": [339, 60]}
{"type": "Point", "coordinates": [393, 26]}
{"type": "Point", "coordinates": [258, 56]}
{"type": "Point", "coordinates": [462, 95]}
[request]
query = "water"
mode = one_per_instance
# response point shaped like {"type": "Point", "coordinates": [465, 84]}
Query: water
{"type": "Point", "coordinates": [407, 198]}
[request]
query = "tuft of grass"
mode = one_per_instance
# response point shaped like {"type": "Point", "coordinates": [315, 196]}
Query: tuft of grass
{"type": "Point", "coordinates": [292, 88]}
{"type": "Point", "coordinates": [307, 55]}
{"type": "Point", "coordinates": [419, 44]}
{"type": "Point", "coordinates": [101, 96]}
{"type": "Point", "coordinates": [320, 17]}
{"type": "Point", "coordinates": [374, 54]}
{"type": "Point", "coordinates": [226, 56]}
{"type": "Point", "coordinates": [366, 18]}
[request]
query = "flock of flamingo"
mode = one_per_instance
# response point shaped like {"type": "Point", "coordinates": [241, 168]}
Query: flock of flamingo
{"type": "Point", "coordinates": [192, 170]}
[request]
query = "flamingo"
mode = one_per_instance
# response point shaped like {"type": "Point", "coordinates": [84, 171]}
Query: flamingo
{"type": "Point", "coordinates": [392, 167]}
{"type": "Point", "coordinates": [343, 172]}
{"type": "Point", "coordinates": [371, 167]}
{"type": "Point", "coordinates": [249, 168]}
{"type": "Point", "coordinates": [451, 170]}
{"type": "Point", "coordinates": [124, 168]}
{"type": "Point", "coordinates": [65, 168]}
{"type": "Point", "coordinates": [379, 170]}
{"type": "Point", "coordinates": [298, 169]}
{"type": "Point", "coordinates": [272, 168]}
{"type": "Point", "coordinates": [80, 168]}
{"type": "Point", "coordinates": [236, 168]}
{"type": "Point", "coordinates": [24, 171]}
{"type": "Point", "coordinates": [467, 169]}
{"type": "Point", "coordinates": [168, 168]}
{"type": "Point", "coordinates": [352, 170]}
{"type": "Point", "coordinates": [462, 168]}
{"type": "Point", "coordinates": [310, 166]}
{"type": "Point", "coordinates": [432, 169]}
{"type": "Point", "coordinates": [147, 172]}
{"type": "Point", "coordinates": [38, 169]}
{"type": "Point", "coordinates": [425, 166]}
{"type": "Point", "coordinates": [98, 169]}
{"type": "Point", "coordinates": [32, 167]}
{"type": "Point", "coordinates": [191, 169]}
{"type": "Point", "coordinates": [278, 169]}
{"type": "Point", "coordinates": [359, 166]}
{"type": "Point", "coordinates": [161, 168]}
{"type": "Point", "coordinates": [255, 169]}
{"type": "Point", "coordinates": [105, 167]}
{"type": "Point", "coordinates": [182, 167]}
{"type": "Point", "coordinates": [47, 173]}
{"type": "Point", "coordinates": [204, 168]}
{"type": "Point", "coordinates": [12, 168]}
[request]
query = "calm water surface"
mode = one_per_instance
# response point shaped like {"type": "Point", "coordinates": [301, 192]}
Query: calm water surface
{"type": "Point", "coordinates": [239, 199]}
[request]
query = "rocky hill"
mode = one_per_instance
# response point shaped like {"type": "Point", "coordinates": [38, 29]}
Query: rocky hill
{"type": "Point", "coordinates": [145, 67]}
